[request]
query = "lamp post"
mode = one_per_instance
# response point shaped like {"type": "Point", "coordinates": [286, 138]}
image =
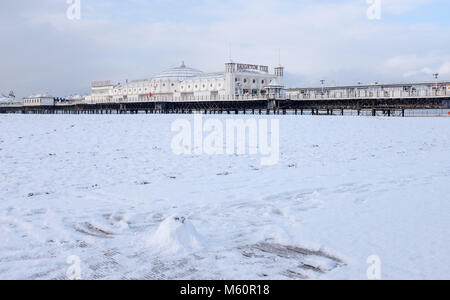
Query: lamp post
{"type": "Point", "coordinates": [436, 76]}
{"type": "Point", "coordinates": [322, 82]}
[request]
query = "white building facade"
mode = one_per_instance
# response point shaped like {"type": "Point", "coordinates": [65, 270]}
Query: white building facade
{"type": "Point", "coordinates": [239, 81]}
{"type": "Point", "coordinates": [376, 90]}
{"type": "Point", "coordinates": [39, 100]}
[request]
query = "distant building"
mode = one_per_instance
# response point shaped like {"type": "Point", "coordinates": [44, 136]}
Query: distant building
{"type": "Point", "coordinates": [184, 84]}
{"type": "Point", "coordinates": [39, 100]}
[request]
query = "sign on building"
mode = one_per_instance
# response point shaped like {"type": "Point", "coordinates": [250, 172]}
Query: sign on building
{"type": "Point", "coordinates": [248, 67]}
{"type": "Point", "coordinates": [101, 83]}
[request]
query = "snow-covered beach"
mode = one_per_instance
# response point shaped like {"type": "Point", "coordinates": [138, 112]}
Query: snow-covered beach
{"type": "Point", "coordinates": [109, 190]}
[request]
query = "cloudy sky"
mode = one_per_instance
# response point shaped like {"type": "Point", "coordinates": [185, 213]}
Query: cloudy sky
{"type": "Point", "coordinates": [43, 50]}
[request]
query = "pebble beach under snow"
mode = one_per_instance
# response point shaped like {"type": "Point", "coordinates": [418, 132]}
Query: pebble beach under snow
{"type": "Point", "coordinates": [109, 190]}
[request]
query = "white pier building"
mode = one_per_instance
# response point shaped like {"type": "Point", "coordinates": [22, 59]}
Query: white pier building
{"type": "Point", "coordinates": [38, 100]}
{"type": "Point", "coordinates": [239, 81]}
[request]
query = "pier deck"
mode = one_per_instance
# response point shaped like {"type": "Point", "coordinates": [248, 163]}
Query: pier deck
{"type": "Point", "coordinates": [258, 106]}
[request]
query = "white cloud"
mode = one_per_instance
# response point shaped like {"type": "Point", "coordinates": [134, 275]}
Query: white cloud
{"type": "Point", "coordinates": [332, 40]}
{"type": "Point", "coordinates": [444, 70]}
{"type": "Point", "coordinates": [418, 67]}
{"type": "Point", "coordinates": [403, 6]}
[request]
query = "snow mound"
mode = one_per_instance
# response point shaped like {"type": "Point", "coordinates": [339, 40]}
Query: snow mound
{"type": "Point", "coordinates": [176, 235]}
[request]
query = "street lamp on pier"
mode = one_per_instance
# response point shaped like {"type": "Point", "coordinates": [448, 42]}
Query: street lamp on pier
{"type": "Point", "coordinates": [436, 76]}
{"type": "Point", "coordinates": [322, 82]}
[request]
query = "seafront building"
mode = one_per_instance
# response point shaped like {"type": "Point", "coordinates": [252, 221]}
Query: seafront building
{"type": "Point", "coordinates": [183, 83]}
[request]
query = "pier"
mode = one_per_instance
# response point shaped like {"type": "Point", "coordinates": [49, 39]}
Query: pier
{"type": "Point", "coordinates": [357, 106]}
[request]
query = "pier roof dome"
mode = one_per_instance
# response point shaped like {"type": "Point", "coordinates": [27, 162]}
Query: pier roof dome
{"type": "Point", "coordinates": [178, 74]}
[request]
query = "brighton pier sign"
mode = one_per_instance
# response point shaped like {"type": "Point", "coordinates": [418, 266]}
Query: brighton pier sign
{"type": "Point", "coordinates": [246, 67]}
{"type": "Point", "coordinates": [101, 83]}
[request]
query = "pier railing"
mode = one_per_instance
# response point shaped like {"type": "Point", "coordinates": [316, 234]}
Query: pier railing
{"type": "Point", "coordinates": [334, 95]}
{"type": "Point", "coordinates": [290, 95]}
{"type": "Point", "coordinates": [169, 99]}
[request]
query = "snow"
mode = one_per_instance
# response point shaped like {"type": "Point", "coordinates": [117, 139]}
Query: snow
{"type": "Point", "coordinates": [109, 190]}
{"type": "Point", "coordinates": [5, 100]}
{"type": "Point", "coordinates": [176, 235]}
